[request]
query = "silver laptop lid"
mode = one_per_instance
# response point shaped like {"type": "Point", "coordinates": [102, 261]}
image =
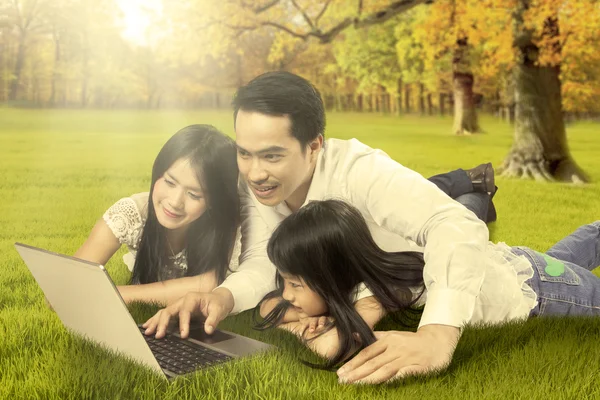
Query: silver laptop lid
{"type": "Point", "coordinates": [86, 301]}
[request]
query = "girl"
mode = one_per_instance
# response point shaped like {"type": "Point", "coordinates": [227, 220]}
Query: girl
{"type": "Point", "coordinates": [185, 227]}
{"type": "Point", "coordinates": [324, 252]}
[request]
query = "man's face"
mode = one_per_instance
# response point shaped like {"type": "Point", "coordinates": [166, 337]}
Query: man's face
{"type": "Point", "coordinates": [271, 160]}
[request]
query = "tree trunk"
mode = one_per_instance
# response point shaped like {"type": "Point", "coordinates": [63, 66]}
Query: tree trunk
{"type": "Point", "coordinates": [85, 67]}
{"type": "Point", "coordinates": [429, 104]}
{"type": "Point", "coordinates": [407, 99]}
{"type": "Point", "coordinates": [350, 103]}
{"type": "Point", "coordinates": [421, 99]}
{"type": "Point", "coordinates": [85, 79]}
{"type": "Point", "coordinates": [465, 114]}
{"type": "Point", "coordinates": [388, 103]}
{"type": "Point", "coordinates": [442, 101]}
{"type": "Point", "coordinates": [15, 83]}
{"type": "Point", "coordinates": [56, 68]}
{"type": "Point", "coordinates": [540, 149]}
{"type": "Point", "coordinates": [399, 98]}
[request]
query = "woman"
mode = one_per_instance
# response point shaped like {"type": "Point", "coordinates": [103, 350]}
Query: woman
{"type": "Point", "coordinates": [181, 234]}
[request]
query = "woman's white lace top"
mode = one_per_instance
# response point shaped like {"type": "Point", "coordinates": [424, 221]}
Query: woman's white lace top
{"type": "Point", "coordinates": [126, 219]}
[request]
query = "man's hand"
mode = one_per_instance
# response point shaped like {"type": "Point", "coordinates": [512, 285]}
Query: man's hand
{"type": "Point", "coordinates": [398, 354]}
{"type": "Point", "coordinates": [213, 306]}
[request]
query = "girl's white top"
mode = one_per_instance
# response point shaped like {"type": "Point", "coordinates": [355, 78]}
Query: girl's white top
{"type": "Point", "coordinates": [504, 294]}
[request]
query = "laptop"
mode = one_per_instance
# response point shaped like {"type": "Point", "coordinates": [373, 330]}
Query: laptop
{"type": "Point", "coordinates": [88, 303]}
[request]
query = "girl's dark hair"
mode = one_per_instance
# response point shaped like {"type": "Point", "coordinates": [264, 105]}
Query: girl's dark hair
{"type": "Point", "coordinates": [211, 237]}
{"type": "Point", "coordinates": [328, 244]}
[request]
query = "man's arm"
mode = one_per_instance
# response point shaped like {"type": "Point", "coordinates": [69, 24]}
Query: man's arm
{"type": "Point", "coordinates": [242, 290]}
{"type": "Point", "coordinates": [255, 276]}
{"type": "Point", "coordinates": [454, 240]}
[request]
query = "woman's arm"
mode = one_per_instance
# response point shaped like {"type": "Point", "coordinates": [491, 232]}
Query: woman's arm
{"type": "Point", "coordinates": [100, 245]}
{"type": "Point", "coordinates": [166, 292]}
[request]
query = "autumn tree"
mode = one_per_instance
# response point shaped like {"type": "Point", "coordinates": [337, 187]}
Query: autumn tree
{"type": "Point", "coordinates": [548, 35]}
{"type": "Point", "coordinates": [26, 18]}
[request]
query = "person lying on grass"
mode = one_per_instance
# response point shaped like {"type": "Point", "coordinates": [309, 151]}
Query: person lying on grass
{"type": "Point", "coordinates": [185, 227]}
{"type": "Point", "coordinates": [180, 239]}
{"type": "Point", "coordinates": [285, 162]}
{"type": "Point", "coordinates": [324, 252]}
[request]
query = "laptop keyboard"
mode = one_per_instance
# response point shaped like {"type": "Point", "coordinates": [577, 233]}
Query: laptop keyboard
{"type": "Point", "coordinates": [181, 356]}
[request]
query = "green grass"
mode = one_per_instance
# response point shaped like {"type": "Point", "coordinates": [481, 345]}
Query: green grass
{"type": "Point", "coordinates": [60, 170]}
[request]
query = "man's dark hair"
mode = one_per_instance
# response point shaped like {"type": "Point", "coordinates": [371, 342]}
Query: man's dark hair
{"type": "Point", "coordinates": [281, 93]}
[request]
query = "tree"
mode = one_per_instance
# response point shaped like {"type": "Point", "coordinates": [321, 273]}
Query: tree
{"type": "Point", "coordinates": [27, 18]}
{"type": "Point", "coordinates": [444, 32]}
{"type": "Point", "coordinates": [540, 148]}
{"type": "Point", "coordinates": [368, 57]}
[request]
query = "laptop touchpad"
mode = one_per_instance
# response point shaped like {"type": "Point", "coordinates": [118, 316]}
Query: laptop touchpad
{"type": "Point", "coordinates": [197, 333]}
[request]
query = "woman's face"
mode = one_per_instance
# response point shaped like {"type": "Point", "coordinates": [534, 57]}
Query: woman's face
{"type": "Point", "coordinates": [177, 196]}
{"type": "Point", "coordinates": [303, 298]}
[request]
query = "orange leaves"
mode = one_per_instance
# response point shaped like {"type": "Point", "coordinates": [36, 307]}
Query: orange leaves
{"type": "Point", "coordinates": [567, 33]}
{"type": "Point", "coordinates": [562, 29]}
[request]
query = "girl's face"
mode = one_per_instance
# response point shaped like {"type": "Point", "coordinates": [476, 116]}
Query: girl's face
{"type": "Point", "coordinates": [177, 196]}
{"type": "Point", "coordinates": [303, 298]}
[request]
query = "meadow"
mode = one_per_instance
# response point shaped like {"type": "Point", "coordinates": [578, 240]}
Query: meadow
{"type": "Point", "coordinates": [60, 170]}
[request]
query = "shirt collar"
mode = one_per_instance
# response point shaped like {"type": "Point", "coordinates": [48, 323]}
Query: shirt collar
{"type": "Point", "coordinates": [317, 188]}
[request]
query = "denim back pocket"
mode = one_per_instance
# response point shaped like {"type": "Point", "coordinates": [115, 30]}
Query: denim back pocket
{"type": "Point", "coordinates": [552, 270]}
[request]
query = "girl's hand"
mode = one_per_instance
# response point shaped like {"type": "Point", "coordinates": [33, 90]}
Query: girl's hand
{"type": "Point", "coordinates": [313, 325]}
{"type": "Point", "coordinates": [307, 327]}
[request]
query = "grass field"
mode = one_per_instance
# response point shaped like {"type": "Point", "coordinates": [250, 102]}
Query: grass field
{"type": "Point", "coordinates": [60, 170]}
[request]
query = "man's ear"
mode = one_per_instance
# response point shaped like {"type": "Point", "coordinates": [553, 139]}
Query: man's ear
{"type": "Point", "coordinates": [315, 146]}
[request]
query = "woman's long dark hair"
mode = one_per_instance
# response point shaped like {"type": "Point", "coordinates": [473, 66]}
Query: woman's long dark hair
{"type": "Point", "coordinates": [211, 237]}
{"type": "Point", "coordinates": [328, 244]}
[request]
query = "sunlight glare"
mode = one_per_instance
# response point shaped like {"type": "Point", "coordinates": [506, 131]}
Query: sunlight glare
{"type": "Point", "coordinates": [137, 16]}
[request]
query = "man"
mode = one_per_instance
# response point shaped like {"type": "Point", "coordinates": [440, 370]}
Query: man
{"type": "Point", "coordinates": [284, 162]}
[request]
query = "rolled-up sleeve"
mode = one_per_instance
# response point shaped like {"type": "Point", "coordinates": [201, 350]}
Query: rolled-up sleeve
{"type": "Point", "coordinates": [255, 276]}
{"type": "Point", "coordinates": [454, 239]}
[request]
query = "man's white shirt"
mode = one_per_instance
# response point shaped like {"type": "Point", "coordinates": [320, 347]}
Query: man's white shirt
{"type": "Point", "coordinates": [403, 210]}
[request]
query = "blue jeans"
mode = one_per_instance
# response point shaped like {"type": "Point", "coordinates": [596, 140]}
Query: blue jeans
{"type": "Point", "coordinates": [458, 186]}
{"type": "Point", "coordinates": [562, 277]}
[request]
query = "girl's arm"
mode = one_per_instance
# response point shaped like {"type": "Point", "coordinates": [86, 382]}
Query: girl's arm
{"type": "Point", "coordinates": [327, 344]}
{"type": "Point", "coordinates": [370, 310]}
